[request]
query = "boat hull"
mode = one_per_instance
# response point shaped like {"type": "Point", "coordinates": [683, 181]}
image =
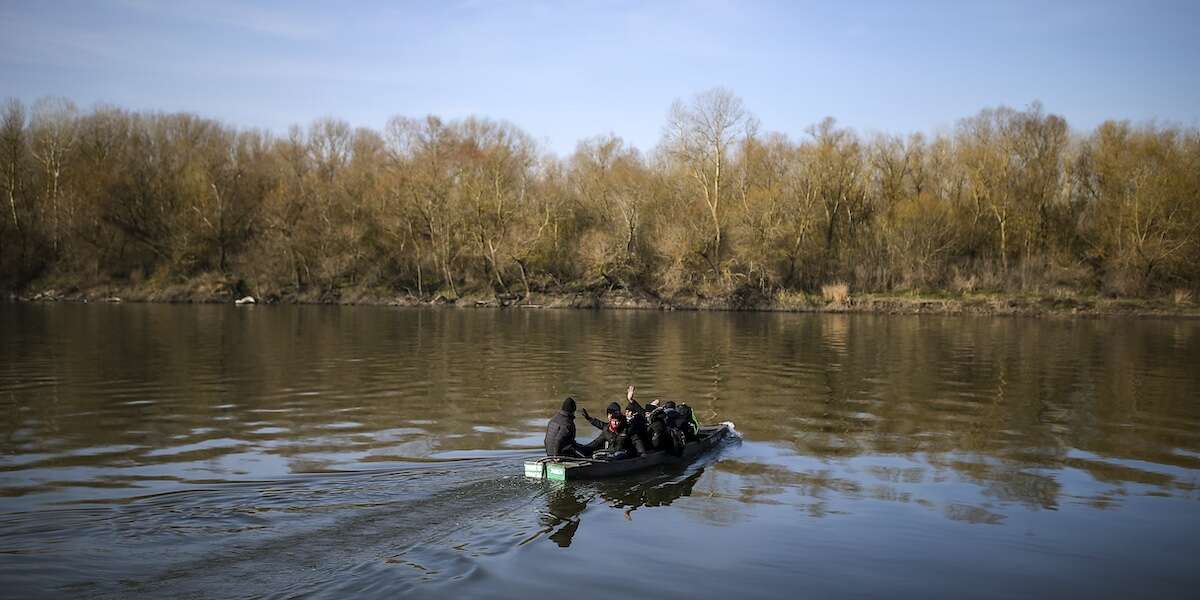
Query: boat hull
{"type": "Point", "coordinates": [556, 468]}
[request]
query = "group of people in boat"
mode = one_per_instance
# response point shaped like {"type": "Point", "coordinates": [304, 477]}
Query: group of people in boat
{"type": "Point", "coordinates": [634, 431]}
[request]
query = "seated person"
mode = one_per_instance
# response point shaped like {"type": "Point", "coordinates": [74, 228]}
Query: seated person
{"type": "Point", "coordinates": [692, 429]}
{"type": "Point", "coordinates": [614, 435]}
{"type": "Point", "coordinates": [679, 425]}
{"type": "Point", "coordinates": [560, 432]}
{"type": "Point", "coordinates": [660, 436]}
{"type": "Point", "coordinates": [639, 431]}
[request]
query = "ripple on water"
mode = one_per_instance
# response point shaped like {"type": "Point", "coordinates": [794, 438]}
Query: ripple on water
{"type": "Point", "coordinates": [269, 430]}
{"type": "Point", "coordinates": [206, 445]}
{"type": "Point", "coordinates": [342, 425]}
{"type": "Point", "coordinates": [322, 451]}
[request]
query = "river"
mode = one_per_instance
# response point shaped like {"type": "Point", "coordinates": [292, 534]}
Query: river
{"type": "Point", "coordinates": [331, 452]}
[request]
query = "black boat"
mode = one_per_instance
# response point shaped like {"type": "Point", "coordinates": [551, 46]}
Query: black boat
{"type": "Point", "coordinates": [562, 468]}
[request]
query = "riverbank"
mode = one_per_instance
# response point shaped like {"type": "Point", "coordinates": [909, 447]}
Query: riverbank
{"type": "Point", "coordinates": [1059, 303]}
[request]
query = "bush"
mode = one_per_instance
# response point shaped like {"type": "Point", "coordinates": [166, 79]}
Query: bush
{"type": "Point", "coordinates": [835, 293]}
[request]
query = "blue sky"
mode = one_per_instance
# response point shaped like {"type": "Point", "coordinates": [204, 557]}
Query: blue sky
{"type": "Point", "coordinates": [565, 71]}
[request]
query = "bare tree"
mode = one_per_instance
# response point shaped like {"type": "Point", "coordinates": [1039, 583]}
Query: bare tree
{"type": "Point", "coordinates": [423, 153]}
{"type": "Point", "coordinates": [986, 153]}
{"type": "Point", "coordinates": [834, 171]}
{"type": "Point", "coordinates": [12, 153]}
{"type": "Point", "coordinates": [700, 136]}
{"type": "Point", "coordinates": [1147, 204]}
{"type": "Point", "coordinates": [54, 131]}
{"type": "Point", "coordinates": [609, 176]}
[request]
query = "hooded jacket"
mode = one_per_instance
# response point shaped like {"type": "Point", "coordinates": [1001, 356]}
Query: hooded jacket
{"type": "Point", "coordinates": [560, 433]}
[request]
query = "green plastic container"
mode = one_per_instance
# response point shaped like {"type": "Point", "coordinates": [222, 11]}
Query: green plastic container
{"type": "Point", "coordinates": [546, 470]}
{"type": "Point", "coordinates": [556, 472]}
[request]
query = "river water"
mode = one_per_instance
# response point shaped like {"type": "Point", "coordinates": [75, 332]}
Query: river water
{"type": "Point", "coordinates": [330, 452]}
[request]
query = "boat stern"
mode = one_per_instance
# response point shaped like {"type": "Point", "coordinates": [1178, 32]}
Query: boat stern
{"type": "Point", "coordinates": [546, 469]}
{"type": "Point", "coordinates": [534, 469]}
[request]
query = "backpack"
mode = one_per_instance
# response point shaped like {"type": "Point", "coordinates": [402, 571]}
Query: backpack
{"type": "Point", "coordinates": [678, 441]}
{"type": "Point", "coordinates": [693, 426]}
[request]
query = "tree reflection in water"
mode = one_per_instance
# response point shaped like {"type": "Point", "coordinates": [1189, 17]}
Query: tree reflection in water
{"type": "Point", "coordinates": [566, 501]}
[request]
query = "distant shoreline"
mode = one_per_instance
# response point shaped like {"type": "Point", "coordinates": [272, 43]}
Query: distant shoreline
{"type": "Point", "coordinates": [982, 304]}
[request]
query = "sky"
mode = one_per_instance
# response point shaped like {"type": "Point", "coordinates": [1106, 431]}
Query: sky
{"type": "Point", "coordinates": [567, 71]}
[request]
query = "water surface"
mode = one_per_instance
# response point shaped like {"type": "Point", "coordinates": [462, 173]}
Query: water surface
{"type": "Point", "coordinates": [217, 451]}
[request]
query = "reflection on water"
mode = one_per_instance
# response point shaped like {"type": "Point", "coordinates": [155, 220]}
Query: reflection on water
{"type": "Point", "coordinates": [659, 487]}
{"type": "Point", "coordinates": [333, 451]}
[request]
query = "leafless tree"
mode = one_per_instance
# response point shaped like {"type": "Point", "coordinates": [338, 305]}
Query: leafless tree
{"type": "Point", "coordinates": [700, 135]}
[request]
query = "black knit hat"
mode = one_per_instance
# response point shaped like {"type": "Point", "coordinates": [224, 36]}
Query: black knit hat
{"type": "Point", "coordinates": [569, 404]}
{"type": "Point", "coordinates": [614, 408]}
{"type": "Point", "coordinates": [669, 404]}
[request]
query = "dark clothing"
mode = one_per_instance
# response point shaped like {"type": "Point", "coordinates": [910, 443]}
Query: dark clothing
{"type": "Point", "coordinates": [560, 434]}
{"type": "Point", "coordinates": [692, 429]}
{"type": "Point", "coordinates": [600, 443]}
{"type": "Point", "coordinates": [597, 423]}
{"type": "Point", "coordinates": [671, 434]}
{"type": "Point", "coordinates": [660, 437]}
{"type": "Point", "coordinates": [675, 419]}
{"type": "Point", "coordinates": [618, 440]}
{"type": "Point", "coordinates": [639, 432]}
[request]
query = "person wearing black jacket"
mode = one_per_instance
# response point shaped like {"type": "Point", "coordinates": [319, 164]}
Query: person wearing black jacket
{"type": "Point", "coordinates": [660, 435]}
{"type": "Point", "coordinates": [560, 432]}
{"type": "Point", "coordinates": [668, 428]}
{"type": "Point", "coordinates": [614, 433]}
{"type": "Point", "coordinates": [639, 427]}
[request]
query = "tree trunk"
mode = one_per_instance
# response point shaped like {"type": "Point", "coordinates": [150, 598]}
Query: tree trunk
{"type": "Point", "coordinates": [12, 203]}
{"type": "Point", "coordinates": [715, 206]}
{"type": "Point", "coordinates": [495, 265]}
{"type": "Point", "coordinates": [1003, 244]}
{"type": "Point", "coordinates": [53, 192]}
{"type": "Point", "coordinates": [524, 278]}
{"type": "Point", "coordinates": [420, 289]}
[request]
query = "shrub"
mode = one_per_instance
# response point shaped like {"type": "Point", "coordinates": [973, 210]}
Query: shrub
{"type": "Point", "coordinates": [836, 293]}
{"type": "Point", "coordinates": [1182, 297]}
{"type": "Point", "coordinates": [964, 285]}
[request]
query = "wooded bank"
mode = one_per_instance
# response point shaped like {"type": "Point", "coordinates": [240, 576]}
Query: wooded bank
{"type": "Point", "coordinates": [1010, 203]}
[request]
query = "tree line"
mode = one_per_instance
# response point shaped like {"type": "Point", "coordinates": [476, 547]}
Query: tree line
{"type": "Point", "coordinates": [1008, 201]}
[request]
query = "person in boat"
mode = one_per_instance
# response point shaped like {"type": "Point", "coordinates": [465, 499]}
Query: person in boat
{"type": "Point", "coordinates": [656, 426]}
{"type": "Point", "coordinates": [691, 428]}
{"type": "Point", "coordinates": [560, 433]}
{"type": "Point", "coordinates": [664, 428]}
{"type": "Point", "coordinates": [639, 427]}
{"type": "Point", "coordinates": [614, 435]}
{"type": "Point", "coordinates": [683, 419]}
{"type": "Point", "coordinates": [672, 427]}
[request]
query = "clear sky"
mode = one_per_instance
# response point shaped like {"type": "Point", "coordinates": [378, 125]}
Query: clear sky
{"type": "Point", "coordinates": [564, 71]}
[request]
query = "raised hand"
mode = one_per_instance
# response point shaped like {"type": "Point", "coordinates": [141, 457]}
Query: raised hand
{"type": "Point", "coordinates": [629, 393]}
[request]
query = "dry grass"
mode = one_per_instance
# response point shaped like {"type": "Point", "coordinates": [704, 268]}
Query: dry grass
{"type": "Point", "coordinates": [1182, 297]}
{"type": "Point", "coordinates": [1062, 293]}
{"type": "Point", "coordinates": [792, 300]}
{"type": "Point", "coordinates": [836, 293]}
{"type": "Point", "coordinates": [964, 285]}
